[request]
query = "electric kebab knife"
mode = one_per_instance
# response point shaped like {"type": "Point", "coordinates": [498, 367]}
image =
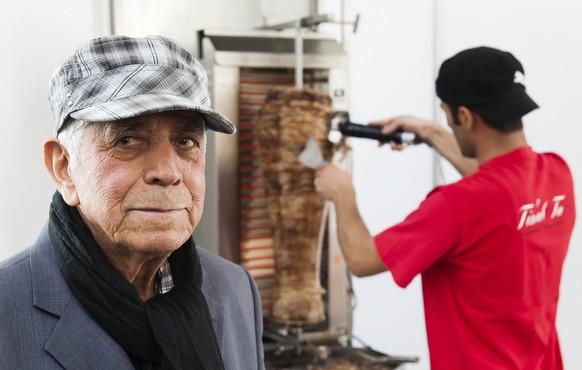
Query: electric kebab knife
{"type": "Point", "coordinates": [342, 125]}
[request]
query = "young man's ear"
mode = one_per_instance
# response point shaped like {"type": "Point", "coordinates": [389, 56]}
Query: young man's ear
{"type": "Point", "coordinates": [466, 118]}
{"type": "Point", "coordinates": [56, 161]}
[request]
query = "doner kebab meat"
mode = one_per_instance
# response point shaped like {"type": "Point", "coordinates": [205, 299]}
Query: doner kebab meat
{"type": "Point", "coordinates": [287, 119]}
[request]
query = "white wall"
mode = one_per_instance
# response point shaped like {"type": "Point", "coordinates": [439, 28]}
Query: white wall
{"type": "Point", "coordinates": [392, 61]}
{"type": "Point", "coordinates": [36, 36]}
{"type": "Point", "coordinates": [180, 19]}
{"type": "Point", "coordinates": [392, 73]}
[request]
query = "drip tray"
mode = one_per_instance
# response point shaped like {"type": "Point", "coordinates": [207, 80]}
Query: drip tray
{"type": "Point", "coordinates": [334, 357]}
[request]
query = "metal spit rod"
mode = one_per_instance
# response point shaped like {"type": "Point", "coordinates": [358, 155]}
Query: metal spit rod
{"type": "Point", "coordinates": [299, 24]}
{"type": "Point", "coordinates": [298, 55]}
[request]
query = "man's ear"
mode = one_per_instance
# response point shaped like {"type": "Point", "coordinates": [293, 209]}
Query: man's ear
{"type": "Point", "coordinates": [466, 118]}
{"type": "Point", "coordinates": [56, 161]}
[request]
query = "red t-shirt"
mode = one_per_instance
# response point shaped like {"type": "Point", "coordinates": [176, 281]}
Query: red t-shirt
{"type": "Point", "coordinates": [490, 249]}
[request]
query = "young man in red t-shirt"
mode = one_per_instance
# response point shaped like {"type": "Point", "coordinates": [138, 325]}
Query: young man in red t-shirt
{"type": "Point", "coordinates": [490, 247]}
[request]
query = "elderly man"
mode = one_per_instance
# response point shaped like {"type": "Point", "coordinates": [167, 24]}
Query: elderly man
{"type": "Point", "coordinates": [115, 280]}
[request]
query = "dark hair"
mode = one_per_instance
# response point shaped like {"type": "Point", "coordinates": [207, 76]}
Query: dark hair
{"type": "Point", "coordinates": [504, 126]}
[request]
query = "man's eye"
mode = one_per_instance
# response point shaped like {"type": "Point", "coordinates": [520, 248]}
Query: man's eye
{"type": "Point", "coordinates": [125, 140]}
{"type": "Point", "coordinates": [187, 142]}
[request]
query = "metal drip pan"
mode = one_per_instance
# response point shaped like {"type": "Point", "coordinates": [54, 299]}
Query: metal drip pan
{"type": "Point", "coordinates": [333, 357]}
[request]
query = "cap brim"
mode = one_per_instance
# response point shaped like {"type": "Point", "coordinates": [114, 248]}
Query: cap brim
{"type": "Point", "coordinates": [508, 109]}
{"type": "Point", "coordinates": [138, 105]}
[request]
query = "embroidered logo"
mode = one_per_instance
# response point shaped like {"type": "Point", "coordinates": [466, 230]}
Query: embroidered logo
{"type": "Point", "coordinates": [535, 213]}
{"type": "Point", "coordinates": [519, 78]}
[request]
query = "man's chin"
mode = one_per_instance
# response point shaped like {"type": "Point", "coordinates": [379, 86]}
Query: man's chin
{"type": "Point", "coordinates": [158, 243]}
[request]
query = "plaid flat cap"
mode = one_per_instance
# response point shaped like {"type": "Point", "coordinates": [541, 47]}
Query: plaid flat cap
{"type": "Point", "coordinates": [115, 77]}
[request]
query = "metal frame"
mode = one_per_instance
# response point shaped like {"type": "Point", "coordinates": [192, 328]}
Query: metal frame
{"type": "Point", "coordinates": [219, 228]}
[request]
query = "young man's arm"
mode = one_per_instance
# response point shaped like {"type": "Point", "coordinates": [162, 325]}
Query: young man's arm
{"type": "Point", "coordinates": [357, 244]}
{"type": "Point", "coordinates": [442, 140]}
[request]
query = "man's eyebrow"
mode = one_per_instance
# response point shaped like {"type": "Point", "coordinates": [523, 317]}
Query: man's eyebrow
{"type": "Point", "coordinates": [126, 125]}
{"type": "Point", "coordinates": [182, 123]}
{"type": "Point", "coordinates": [189, 123]}
{"type": "Point", "coordinates": [189, 126]}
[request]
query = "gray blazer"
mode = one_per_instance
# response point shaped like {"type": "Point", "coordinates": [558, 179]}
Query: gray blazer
{"type": "Point", "coordinates": [42, 326]}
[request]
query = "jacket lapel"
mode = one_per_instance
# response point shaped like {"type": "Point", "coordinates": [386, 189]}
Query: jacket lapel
{"type": "Point", "coordinates": [77, 342]}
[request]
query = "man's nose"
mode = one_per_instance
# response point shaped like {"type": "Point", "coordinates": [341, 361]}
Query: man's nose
{"type": "Point", "coordinates": [162, 163]}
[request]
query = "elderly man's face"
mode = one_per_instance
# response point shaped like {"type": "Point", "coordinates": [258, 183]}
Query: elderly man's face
{"type": "Point", "coordinates": [140, 182]}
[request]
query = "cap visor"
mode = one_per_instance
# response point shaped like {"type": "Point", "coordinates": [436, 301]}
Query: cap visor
{"type": "Point", "coordinates": [508, 109]}
{"type": "Point", "coordinates": [139, 105]}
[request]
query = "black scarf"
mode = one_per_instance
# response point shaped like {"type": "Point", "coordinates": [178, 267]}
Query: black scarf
{"type": "Point", "coordinates": [169, 331]}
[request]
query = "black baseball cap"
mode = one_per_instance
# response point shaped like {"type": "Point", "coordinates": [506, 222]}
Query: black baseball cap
{"type": "Point", "coordinates": [486, 80]}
